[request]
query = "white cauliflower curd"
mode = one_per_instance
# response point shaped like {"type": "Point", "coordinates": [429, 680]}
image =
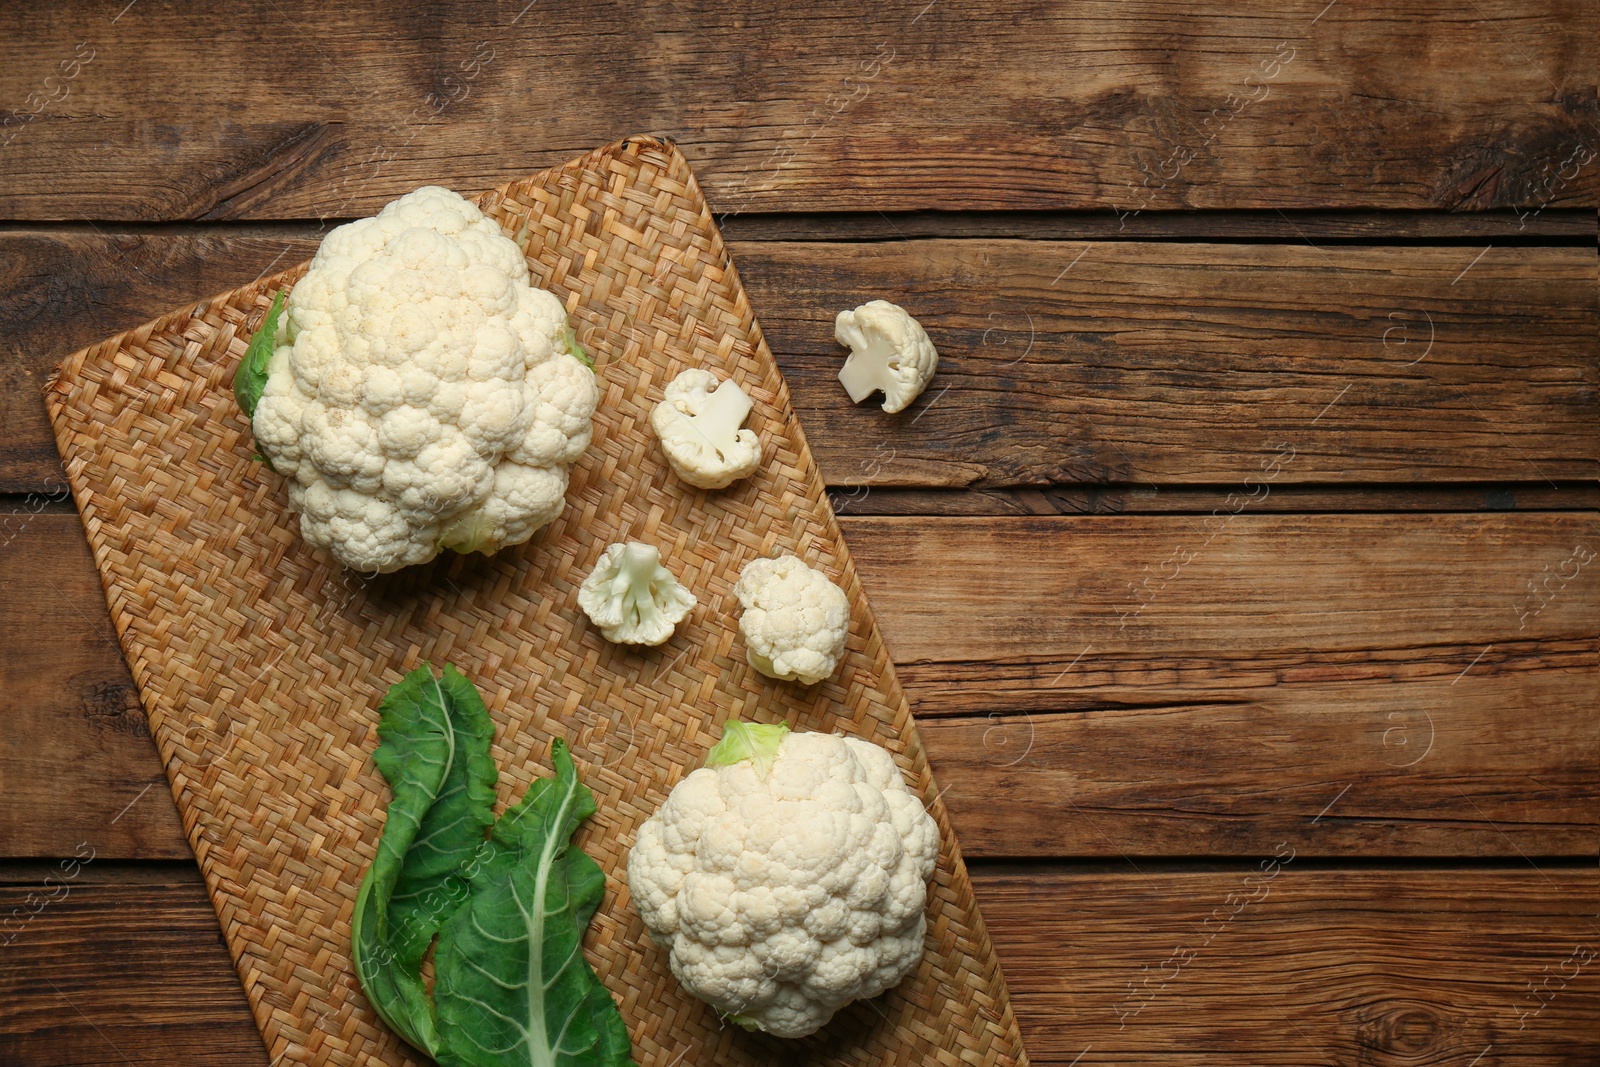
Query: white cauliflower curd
{"type": "Point", "coordinates": [889, 353]}
{"type": "Point", "coordinates": [795, 621]}
{"type": "Point", "coordinates": [421, 394]}
{"type": "Point", "coordinates": [698, 422]}
{"type": "Point", "coordinates": [787, 877]}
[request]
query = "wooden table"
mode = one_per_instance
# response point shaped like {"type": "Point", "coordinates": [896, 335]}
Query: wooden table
{"type": "Point", "coordinates": [1240, 562]}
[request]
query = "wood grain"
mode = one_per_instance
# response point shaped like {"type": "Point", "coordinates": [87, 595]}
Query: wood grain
{"type": "Point", "coordinates": [1295, 967]}
{"type": "Point", "coordinates": [1061, 362]}
{"type": "Point", "coordinates": [1375, 661]}
{"type": "Point", "coordinates": [1124, 106]}
{"type": "Point", "coordinates": [1188, 606]}
{"type": "Point", "coordinates": [1114, 498]}
{"type": "Point", "coordinates": [1195, 364]}
{"type": "Point", "coordinates": [118, 969]}
{"type": "Point", "coordinates": [1308, 968]}
{"type": "Point", "coordinates": [1503, 765]}
{"type": "Point", "coordinates": [1570, 226]}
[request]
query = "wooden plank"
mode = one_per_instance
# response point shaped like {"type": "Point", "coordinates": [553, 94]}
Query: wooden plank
{"type": "Point", "coordinates": [1372, 661]}
{"type": "Point", "coordinates": [1200, 364]}
{"type": "Point", "coordinates": [1062, 362]}
{"type": "Point", "coordinates": [1553, 225]}
{"type": "Point", "coordinates": [1152, 610]}
{"type": "Point", "coordinates": [1504, 764]}
{"type": "Point", "coordinates": [1127, 106]}
{"type": "Point", "coordinates": [1280, 965]}
{"type": "Point", "coordinates": [112, 972]}
{"type": "Point", "coordinates": [1152, 499]}
{"type": "Point", "coordinates": [1308, 968]}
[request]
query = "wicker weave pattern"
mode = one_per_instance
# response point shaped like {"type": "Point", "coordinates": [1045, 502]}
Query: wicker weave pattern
{"type": "Point", "coordinates": [260, 662]}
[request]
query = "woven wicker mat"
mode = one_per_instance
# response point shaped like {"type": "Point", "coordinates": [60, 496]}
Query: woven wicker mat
{"type": "Point", "coordinates": [261, 663]}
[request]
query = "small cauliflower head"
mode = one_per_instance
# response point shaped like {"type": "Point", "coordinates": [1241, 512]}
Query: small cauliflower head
{"type": "Point", "coordinates": [632, 597]}
{"type": "Point", "coordinates": [889, 352]}
{"type": "Point", "coordinates": [698, 422]}
{"type": "Point", "coordinates": [795, 621]}
{"type": "Point", "coordinates": [422, 393]}
{"type": "Point", "coordinates": [787, 877]}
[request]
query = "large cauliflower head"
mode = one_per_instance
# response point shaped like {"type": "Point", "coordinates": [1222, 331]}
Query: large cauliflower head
{"type": "Point", "coordinates": [787, 877]}
{"type": "Point", "coordinates": [422, 394]}
{"type": "Point", "coordinates": [795, 621]}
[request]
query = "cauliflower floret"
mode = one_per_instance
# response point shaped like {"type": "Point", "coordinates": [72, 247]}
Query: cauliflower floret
{"type": "Point", "coordinates": [787, 877]}
{"type": "Point", "coordinates": [632, 597]}
{"type": "Point", "coordinates": [421, 383]}
{"type": "Point", "coordinates": [795, 620]}
{"type": "Point", "coordinates": [889, 351]}
{"type": "Point", "coordinates": [698, 423]}
{"type": "Point", "coordinates": [523, 500]}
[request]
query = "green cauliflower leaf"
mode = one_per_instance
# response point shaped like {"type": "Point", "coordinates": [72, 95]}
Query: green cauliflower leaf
{"type": "Point", "coordinates": [434, 751]}
{"type": "Point", "coordinates": [504, 915]}
{"type": "Point", "coordinates": [250, 380]}
{"type": "Point", "coordinates": [754, 741]}
{"type": "Point", "coordinates": [513, 987]}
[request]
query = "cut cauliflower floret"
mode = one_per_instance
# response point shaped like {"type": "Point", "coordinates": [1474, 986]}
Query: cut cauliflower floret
{"type": "Point", "coordinates": [889, 351]}
{"type": "Point", "coordinates": [787, 877]}
{"type": "Point", "coordinates": [795, 620]}
{"type": "Point", "coordinates": [420, 381]}
{"type": "Point", "coordinates": [698, 422]}
{"type": "Point", "coordinates": [632, 597]}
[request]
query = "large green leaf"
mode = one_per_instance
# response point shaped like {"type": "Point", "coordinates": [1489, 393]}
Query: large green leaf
{"type": "Point", "coordinates": [513, 988]}
{"type": "Point", "coordinates": [434, 751]}
{"type": "Point", "coordinates": [251, 378]}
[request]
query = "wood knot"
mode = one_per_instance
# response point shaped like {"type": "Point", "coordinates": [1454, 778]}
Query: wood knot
{"type": "Point", "coordinates": [1407, 1032]}
{"type": "Point", "coordinates": [110, 705]}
